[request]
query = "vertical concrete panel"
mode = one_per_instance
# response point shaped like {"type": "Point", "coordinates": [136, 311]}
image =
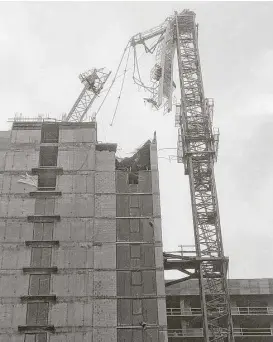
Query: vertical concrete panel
{"type": "Point", "coordinates": [23, 257]}
{"type": "Point", "coordinates": [150, 311]}
{"type": "Point", "coordinates": [3, 158]}
{"type": "Point", "coordinates": [144, 181]}
{"type": "Point", "coordinates": [89, 229]}
{"type": "Point", "coordinates": [105, 206]}
{"type": "Point", "coordinates": [3, 225]}
{"type": "Point", "coordinates": [146, 205]}
{"type": "Point", "coordinates": [157, 229]}
{"type": "Point", "coordinates": [64, 183]}
{"type": "Point", "coordinates": [60, 257]}
{"type": "Point", "coordinates": [58, 314]}
{"type": "Point", "coordinates": [162, 316]}
{"type": "Point", "coordinates": [5, 315]}
{"type": "Point", "coordinates": [6, 183]}
{"type": "Point", "coordinates": [12, 233]}
{"type": "Point", "coordinates": [65, 159]}
{"type": "Point", "coordinates": [123, 256]}
{"type": "Point", "coordinates": [124, 283]}
{"type": "Point", "coordinates": [105, 182]}
{"type": "Point", "coordinates": [79, 184]}
{"type": "Point", "coordinates": [105, 230]}
{"type": "Point", "coordinates": [105, 256]}
{"type": "Point", "coordinates": [4, 206]}
{"type": "Point", "coordinates": [60, 284]}
{"type": "Point", "coordinates": [89, 283]}
{"type": "Point", "coordinates": [83, 158]}
{"type": "Point", "coordinates": [105, 313]}
{"type": "Point", "coordinates": [163, 336]}
{"type": "Point", "coordinates": [159, 257]}
{"type": "Point", "coordinates": [18, 315]}
{"type": "Point", "coordinates": [160, 283]}
{"type": "Point", "coordinates": [105, 161]}
{"type": "Point", "coordinates": [123, 229]}
{"type": "Point", "coordinates": [1, 182]}
{"type": "Point", "coordinates": [75, 314]}
{"type": "Point", "coordinates": [78, 229]}
{"type": "Point", "coordinates": [25, 229]}
{"type": "Point", "coordinates": [61, 230]}
{"type": "Point", "coordinates": [149, 282]}
{"type": "Point", "coordinates": [77, 284]}
{"type": "Point", "coordinates": [105, 283]}
{"type": "Point", "coordinates": [105, 335]}
{"type": "Point", "coordinates": [124, 312]}
{"type": "Point", "coordinates": [156, 205]}
{"type": "Point", "coordinates": [77, 257]}
{"type": "Point", "coordinates": [122, 203]}
{"type": "Point", "coordinates": [88, 314]}
{"type": "Point", "coordinates": [122, 182]}
{"type": "Point", "coordinates": [90, 258]}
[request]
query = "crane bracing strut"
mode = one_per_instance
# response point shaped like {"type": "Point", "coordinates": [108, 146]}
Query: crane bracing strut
{"type": "Point", "coordinates": [93, 81]}
{"type": "Point", "coordinates": [197, 149]}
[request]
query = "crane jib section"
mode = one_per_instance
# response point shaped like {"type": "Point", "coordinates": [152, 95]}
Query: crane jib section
{"type": "Point", "coordinates": [199, 149]}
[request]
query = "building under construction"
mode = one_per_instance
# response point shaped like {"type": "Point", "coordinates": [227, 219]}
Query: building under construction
{"type": "Point", "coordinates": [81, 242]}
{"type": "Point", "coordinates": [81, 247]}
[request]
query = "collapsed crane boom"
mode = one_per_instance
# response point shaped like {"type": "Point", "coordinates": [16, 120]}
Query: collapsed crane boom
{"type": "Point", "coordinates": [93, 81]}
{"type": "Point", "coordinates": [197, 149]}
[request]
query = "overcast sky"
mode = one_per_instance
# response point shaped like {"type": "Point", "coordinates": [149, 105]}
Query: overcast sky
{"type": "Point", "coordinates": [45, 46]}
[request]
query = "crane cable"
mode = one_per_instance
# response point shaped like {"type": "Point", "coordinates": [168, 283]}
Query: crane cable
{"type": "Point", "coordinates": [121, 88]}
{"type": "Point", "coordinates": [114, 79]}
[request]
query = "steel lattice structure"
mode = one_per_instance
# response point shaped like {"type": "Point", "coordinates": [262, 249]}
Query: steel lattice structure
{"type": "Point", "coordinates": [93, 81]}
{"type": "Point", "coordinates": [197, 149]}
{"type": "Point", "coordinates": [199, 152]}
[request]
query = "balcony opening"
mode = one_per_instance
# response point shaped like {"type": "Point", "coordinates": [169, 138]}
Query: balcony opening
{"type": "Point", "coordinates": [48, 156]}
{"type": "Point", "coordinates": [46, 181]}
{"type": "Point", "coordinates": [50, 133]}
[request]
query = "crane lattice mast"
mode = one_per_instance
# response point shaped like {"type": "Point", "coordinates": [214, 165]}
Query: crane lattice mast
{"type": "Point", "coordinates": [93, 81]}
{"type": "Point", "coordinates": [197, 149]}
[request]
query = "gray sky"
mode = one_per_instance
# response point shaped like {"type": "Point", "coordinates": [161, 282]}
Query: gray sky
{"type": "Point", "coordinates": [44, 47]}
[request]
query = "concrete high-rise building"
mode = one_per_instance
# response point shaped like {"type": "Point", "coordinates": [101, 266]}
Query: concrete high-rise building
{"type": "Point", "coordinates": [80, 238]}
{"type": "Point", "coordinates": [81, 256]}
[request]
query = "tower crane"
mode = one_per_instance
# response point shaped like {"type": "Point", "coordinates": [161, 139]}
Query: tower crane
{"type": "Point", "coordinates": [93, 81]}
{"type": "Point", "coordinates": [197, 150]}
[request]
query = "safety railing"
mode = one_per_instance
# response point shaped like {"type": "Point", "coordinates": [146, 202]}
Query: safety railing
{"type": "Point", "coordinates": [253, 331]}
{"type": "Point", "coordinates": [198, 332]}
{"type": "Point", "coordinates": [194, 332]}
{"type": "Point", "coordinates": [234, 311]}
{"type": "Point", "coordinates": [268, 310]}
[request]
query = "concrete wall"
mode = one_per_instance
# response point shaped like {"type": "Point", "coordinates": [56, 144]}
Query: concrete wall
{"type": "Point", "coordinates": [140, 282]}
{"type": "Point", "coordinates": [104, 245]}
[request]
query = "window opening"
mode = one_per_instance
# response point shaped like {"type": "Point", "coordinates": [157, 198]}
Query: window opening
{"type": "Point", "coordinates": [50, 133]}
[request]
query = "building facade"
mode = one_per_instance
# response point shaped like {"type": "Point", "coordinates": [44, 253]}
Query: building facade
{"type": "Point", "coordinates": [80, 238]}
{"type": "Point", "coordinates": [251, 307]}
{"type": "Point", "coordinates": [81, 256]}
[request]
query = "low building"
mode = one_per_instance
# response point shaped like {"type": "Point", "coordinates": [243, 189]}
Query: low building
{"type": "Point", "coordinates": [251, 307]}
